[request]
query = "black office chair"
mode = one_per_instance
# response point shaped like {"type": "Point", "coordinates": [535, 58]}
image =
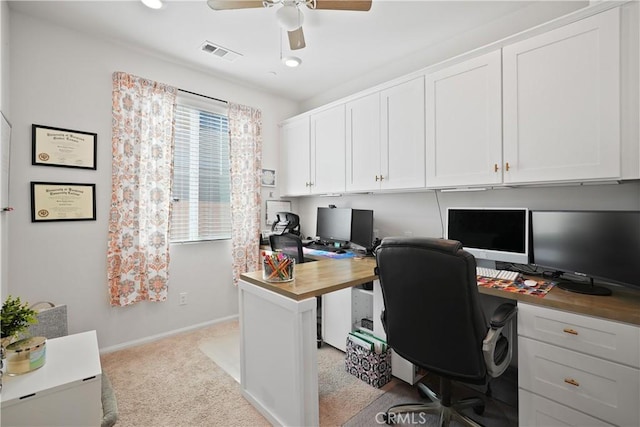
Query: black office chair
{"type": "Point", "coordinates": [433, 318]}
{"type": "Point", "coordinates": [291, 245]}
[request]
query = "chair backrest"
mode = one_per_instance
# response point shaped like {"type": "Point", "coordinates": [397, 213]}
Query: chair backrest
{"type": "Point", "coordinates": [433, 316]}
{"type": "Point", "coordinates": [289, 244]}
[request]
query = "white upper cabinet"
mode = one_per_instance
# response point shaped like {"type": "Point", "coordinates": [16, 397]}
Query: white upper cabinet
{"type": "Point", "coordinates": [464, 123]}
{"type": "Point", "coordinates": [328, 151]}
{"type": "Point", "coordinates": [295, 172]}
{"type": "Point", "coordinates": [385, 139]}
{"type": "Point", "coordinates": [562, 103]}
{"type": "Point", "coordinates": [363, 143]}
{"type": "Point", "coordinates": [402, 155]}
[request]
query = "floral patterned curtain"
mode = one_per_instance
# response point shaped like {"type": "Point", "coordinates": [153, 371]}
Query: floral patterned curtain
{"type": "Point", "coordinates": [142, 145]}
{"type": "Point", "coordinates": [245, 127]}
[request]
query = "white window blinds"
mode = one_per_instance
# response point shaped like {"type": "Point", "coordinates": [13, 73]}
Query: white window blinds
{"type": "Point", "coordinates": [201, 185]}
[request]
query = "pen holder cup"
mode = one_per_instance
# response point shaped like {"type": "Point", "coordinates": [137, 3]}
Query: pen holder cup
{"type": "Point", "coordinates": [278, 268]}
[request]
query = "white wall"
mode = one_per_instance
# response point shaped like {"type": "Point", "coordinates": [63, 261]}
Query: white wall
{"type": "Point", "coordinates": [423, 213]}
{"type": "Point", "coordinates": [62, 78]}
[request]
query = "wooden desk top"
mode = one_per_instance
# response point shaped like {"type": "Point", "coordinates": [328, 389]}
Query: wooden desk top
{"type": "Point", "coordinates": [328, 275]}
{"type": "Point", "coordinates": [320, 277]}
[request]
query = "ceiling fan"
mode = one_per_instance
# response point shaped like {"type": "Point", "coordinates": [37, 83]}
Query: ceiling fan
{"type": "Point", "coordinates": [289, 15]}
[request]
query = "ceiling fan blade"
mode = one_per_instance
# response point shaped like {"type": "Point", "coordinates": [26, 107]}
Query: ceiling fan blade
{"type": "Point", "coordinates": [296, 39]}
{"type": "Point", "coordinates": [361, 5]}
{"type": "Point", "coordinates": [234, 4]}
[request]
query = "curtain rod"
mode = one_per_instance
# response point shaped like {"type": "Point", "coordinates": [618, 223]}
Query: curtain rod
{"type": "Point", "coordinates": [204, 96]}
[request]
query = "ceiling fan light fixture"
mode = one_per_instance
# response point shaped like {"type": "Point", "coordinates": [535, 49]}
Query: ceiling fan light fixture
{"type": "Point", "coordinates": [291, 61]}
{"type": "Point", "coordinates": [289, 17]}
{"type": "Point", "coordinates": [152, 4]}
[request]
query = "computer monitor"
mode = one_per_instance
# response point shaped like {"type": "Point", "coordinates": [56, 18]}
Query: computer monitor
{"type": "Point", "coordinates": [362, 228]}
{"type": "Point", "coordinates": [602, 245]}
{"type": "Point", "coordinates": [333, 225]}
{"type": "Point", "coordinates": [494, 234]}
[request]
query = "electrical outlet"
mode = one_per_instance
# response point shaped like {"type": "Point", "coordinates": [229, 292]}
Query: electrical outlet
{"type": "Point", "coordinates": [183, 298]}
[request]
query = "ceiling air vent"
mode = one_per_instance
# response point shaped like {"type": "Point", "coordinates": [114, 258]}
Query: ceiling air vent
{"type": "Point", "coordinates": [220, 51]}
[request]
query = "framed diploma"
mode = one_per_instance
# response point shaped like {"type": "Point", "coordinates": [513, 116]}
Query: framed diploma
{"type": "Point", "coordinates": [63, 147]}
{"type": "Point", "coordinates": [55, 201]}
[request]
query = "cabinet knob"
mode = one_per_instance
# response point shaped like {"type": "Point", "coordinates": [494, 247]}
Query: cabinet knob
{"type": "Point", "coordinates": [381, 177]}
{"type": "Point", "coordinates": [506, 166]}
{"type": "Point", "coordinates": [377, 177]}
{"type": "Point", "coordinates": [495, 167]}
{"type": "Point", "coordinates": [572, 382]}
{"type": "Point", "coordinates": [570, 331]}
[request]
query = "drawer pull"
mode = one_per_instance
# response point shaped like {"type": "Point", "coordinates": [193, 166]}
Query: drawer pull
{"type": "Point", "coordinates": [570, 331]}
{"type": "Point", "coordinates": [572, 382]}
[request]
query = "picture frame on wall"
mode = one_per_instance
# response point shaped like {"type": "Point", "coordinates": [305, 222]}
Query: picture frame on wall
{"type": "Point", "coordinates": [268, 178]}
{"type": "Point", "coordinates": [62, 201]}
{"type": "Point", "coordinates": [67, 148]}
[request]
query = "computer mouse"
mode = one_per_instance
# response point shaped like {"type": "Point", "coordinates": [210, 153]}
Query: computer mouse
{"type": "Point", "coordinates": [341, 251]}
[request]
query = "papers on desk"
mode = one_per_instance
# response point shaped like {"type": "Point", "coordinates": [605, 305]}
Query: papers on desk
{"type": "Point", "coordinates": [368, 341]}
{"type": "Point", "coordinates": [517, 286]}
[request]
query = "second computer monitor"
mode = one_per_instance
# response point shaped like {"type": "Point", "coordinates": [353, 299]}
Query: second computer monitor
{"type": "Point", "coordinates": [362, 228]}
{"type": "Point", "coordinates": [343, 225]}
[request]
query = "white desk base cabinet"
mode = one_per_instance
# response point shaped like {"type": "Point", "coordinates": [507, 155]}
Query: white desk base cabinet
{"type": "Point", "coordinates": [576, 370]}
{"type": "Point", "coordinates": [278, 356]}
{"type": "Point", "coordinates": [66, 391]}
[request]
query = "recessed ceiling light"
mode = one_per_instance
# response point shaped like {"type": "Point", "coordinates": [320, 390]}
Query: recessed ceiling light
{"type": "Point", "coordinates": [152, 4]}
{"type": "Point", "coordinates": [291, 61]}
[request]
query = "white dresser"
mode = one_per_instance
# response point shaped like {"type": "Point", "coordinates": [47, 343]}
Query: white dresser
{"type": "Point", "coordinates": [66, 391]}
{"type": "Point", "coordinates": [576, 370]}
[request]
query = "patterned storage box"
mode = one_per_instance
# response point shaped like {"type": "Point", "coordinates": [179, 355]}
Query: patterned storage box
{"type": "Point", "coordinates": [372, 368]}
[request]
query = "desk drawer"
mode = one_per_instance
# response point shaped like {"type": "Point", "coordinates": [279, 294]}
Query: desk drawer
{"type": "Point", "coordinates": [537, 411]}
{"type": "Point", "coordinates": [601, 388]}
{"type": "Point", "coordinates": [614, 341]}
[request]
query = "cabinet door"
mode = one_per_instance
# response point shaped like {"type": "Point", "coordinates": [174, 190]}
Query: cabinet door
{"type": "Point", "coordinates": [562, 103]}
{"type": "Point", "coordinates": [336, 318]}
{"type": "Point", "coordinates": [464, 123]}
{"type": "Point", "coordinates": [294, 157]}
{"type": "Point", "coordinates": [363, 144]}
{"type": "Point", "coordinates": [328, 151]}
{"type": "Point", "coordinates": [402, 159]}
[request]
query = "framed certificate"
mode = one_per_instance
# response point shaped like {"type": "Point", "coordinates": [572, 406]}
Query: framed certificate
{"type": "Point", "coordinates": [56, 201]}
{"type": "Point", "coordinates": [63, 147]}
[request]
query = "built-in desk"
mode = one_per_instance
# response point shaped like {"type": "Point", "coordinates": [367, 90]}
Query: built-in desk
{"type": "Point", "coordinates": [278, 330]}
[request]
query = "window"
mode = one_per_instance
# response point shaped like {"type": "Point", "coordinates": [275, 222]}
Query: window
{"type": "Point", "coordinates": [201, 184]}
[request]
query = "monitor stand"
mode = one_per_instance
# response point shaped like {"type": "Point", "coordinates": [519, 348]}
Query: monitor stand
{"type": "Point", "coordinates": [486, 263]}
{"type": "Point", "coordinates": [583, 288]}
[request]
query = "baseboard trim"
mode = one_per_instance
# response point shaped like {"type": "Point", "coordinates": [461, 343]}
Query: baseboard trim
{"type": "Point", "coordinates": [167, 334]}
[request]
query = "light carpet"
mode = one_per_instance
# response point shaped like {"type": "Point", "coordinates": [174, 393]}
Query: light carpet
{"type": "Point", "coordinates": [172, 382]}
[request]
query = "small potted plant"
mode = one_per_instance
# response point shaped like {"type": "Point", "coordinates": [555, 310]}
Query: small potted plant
{"type": "Point", "coordinates": [16, 318]}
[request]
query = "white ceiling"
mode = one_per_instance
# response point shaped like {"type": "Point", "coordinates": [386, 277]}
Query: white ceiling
{"type": "Point", "coordinates": [341, 45]}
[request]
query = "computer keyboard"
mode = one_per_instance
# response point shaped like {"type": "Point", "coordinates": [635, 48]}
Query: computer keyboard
{"type": "Point", "coordinates": [497, 274]}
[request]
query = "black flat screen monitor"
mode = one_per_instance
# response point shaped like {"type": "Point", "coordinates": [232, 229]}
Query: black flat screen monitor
{"type": "Point", "coordinates": [496, 234]}
{"type": "Point", "coordinates": [334, 225]}
{"type": "Point", "coordinates": [362, 228]}
{"type": "Point", "coordinates": [603, 245]}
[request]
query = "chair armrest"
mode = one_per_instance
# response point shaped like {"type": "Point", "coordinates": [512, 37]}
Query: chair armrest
{"type": "Point", "coordinates": [502, 315]}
